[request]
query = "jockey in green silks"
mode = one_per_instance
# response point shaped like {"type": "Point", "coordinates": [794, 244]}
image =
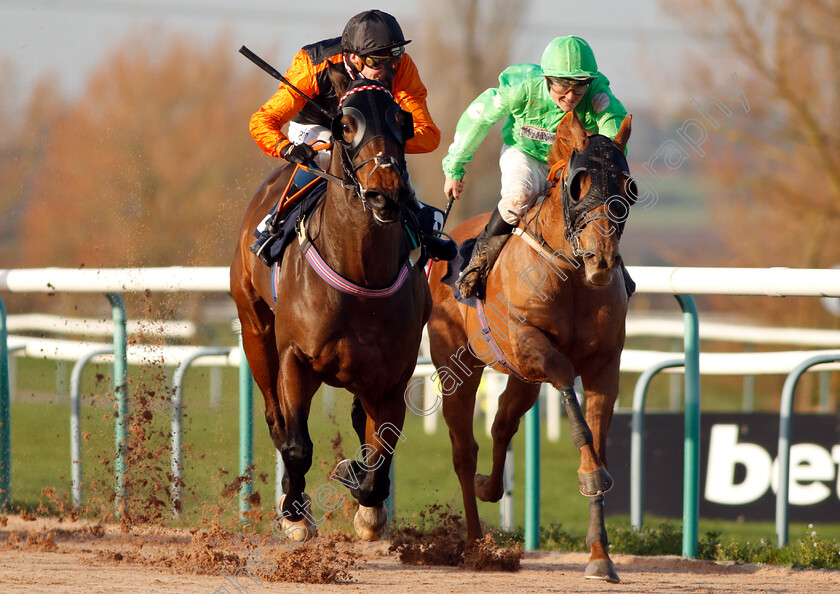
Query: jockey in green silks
{"type": "Point", "coordinates": [532, 99]}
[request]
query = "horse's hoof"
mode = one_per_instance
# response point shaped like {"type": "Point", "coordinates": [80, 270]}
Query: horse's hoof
{"type": "Point", "coordinates": [298, 530]}
{"type": "Point", "coordinates": [601, 569]}
{"type": "Point", "coordinates": [482, 492]}
{"type": "Point", "coordinates": [370, 522]}
{"type": "Point", "coordinates": [595, 483]}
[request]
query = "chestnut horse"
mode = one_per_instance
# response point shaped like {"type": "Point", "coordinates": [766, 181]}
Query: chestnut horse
{"type": "Point", "coordinates": [349, 312]}
{"type": "Point", "coordinates": [555, 308]}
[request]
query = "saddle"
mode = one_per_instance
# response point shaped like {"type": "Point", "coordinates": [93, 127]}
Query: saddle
{"type": "Point", "coordinates": [290, 212]}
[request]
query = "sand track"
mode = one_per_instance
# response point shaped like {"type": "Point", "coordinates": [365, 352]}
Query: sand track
{"type": "Point", "coordinates": [47, 555]}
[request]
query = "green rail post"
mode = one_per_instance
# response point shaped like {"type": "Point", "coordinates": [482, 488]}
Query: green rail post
{"type": "Point", "coordinates": [637, 435]}
{"type": "Point", "coordinates": [691, 464]}
{"type": "Point", "coordinates": [785, 427]}
{"type": "Point", "coordinates": [532, 478]}
{"type": "Point", "coordinates": [5, 416]}
{"type": "Point", "coordinates": [121, 395]}
{"type": "Point", "coordinates": [246, 432]}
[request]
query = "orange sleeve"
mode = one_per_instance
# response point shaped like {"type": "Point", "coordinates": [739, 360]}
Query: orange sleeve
{"type": "Point", "coordinates": [410, 94]}
{"type": "Point", "coordinates": [266, 124]}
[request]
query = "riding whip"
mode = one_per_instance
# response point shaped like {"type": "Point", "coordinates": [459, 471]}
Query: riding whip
{"type": "Point", "coordinates": [276, 74]}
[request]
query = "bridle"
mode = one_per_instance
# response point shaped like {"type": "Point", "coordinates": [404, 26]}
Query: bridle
{"type": "Point", "coordinates": [374, 98]}
{"type": "Point", "coordinates": [607, 168]}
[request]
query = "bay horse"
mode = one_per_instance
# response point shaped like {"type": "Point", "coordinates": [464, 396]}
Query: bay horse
{"type": "Point", "coordinates": [555, 309]}
{"type": "Point", "coordinates": [349, 312]}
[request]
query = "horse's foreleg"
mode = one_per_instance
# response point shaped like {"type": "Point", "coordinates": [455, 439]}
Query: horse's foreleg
{"type": "Point", "coordinates": [359, 419]}
{"type": "Point", "coordinates": [601, 392]}
{"type": "Point", "coordinates": [296, 386]}
{"type": "Point", "coordinates": [600, 566]}
{"type": "Point", "coordinates": [458, 409]}
{"type": "Point", "coordinates": [517, 398]}
{"type": "Point", "coordinates": [593, 478]}
{"type": "Point", "coordinates": [367, 474]}
{"type": "Point", "coordinates": [537, 357]}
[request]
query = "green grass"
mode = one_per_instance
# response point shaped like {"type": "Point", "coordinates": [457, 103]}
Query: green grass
{"type": "Point", "coordinates": [423, 469]}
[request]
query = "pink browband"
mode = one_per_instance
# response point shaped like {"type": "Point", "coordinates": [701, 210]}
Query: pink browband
{"type": "Point", "coordinates": [365, 88]}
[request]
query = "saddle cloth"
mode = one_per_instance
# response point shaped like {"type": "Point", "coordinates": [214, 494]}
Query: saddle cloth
{"type": "Point", "coordinates": [299, 208]}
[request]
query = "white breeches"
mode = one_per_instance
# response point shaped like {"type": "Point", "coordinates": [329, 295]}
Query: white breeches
{"type": "Point", "coordinates": [523, 178]}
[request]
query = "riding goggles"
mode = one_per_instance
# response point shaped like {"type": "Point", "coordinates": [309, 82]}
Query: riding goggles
{"type": "Point", "coordinates": [562, 86]}
{"type": "Point", "coordinates": [376, 62]}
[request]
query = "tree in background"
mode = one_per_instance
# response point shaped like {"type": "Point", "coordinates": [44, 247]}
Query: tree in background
{"type": "Point", "coordinates": [777, 174]}
{"type": "Point", "coordinates": [26, 126]}
{"type": "Point", "coordinates": [152, 166]}
{"type": "Point", "coordinates": [462, 50]}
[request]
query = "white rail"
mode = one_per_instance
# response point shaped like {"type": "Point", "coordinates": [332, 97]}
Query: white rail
{"type": "Point", "coordinates": [115, 280]}
{"type": "Point", "coordinates": [669, 280]}
{"type": "Point", "coordinates": [772, 282]}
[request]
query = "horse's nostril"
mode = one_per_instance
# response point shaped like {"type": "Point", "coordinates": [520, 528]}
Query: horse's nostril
{"type": "Point", "coordinates": [375, 199]}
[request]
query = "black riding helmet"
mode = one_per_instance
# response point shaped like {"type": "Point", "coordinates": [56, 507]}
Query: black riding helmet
{"type": "Point", "coordinates": [372, 31]}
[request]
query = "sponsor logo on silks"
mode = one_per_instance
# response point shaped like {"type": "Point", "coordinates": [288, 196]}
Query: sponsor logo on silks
{"type": "Point", "coordinates": [538, 134]}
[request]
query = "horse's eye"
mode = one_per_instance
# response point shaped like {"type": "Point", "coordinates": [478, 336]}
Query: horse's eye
{"type": "Point", "coordinates": [576, 187]}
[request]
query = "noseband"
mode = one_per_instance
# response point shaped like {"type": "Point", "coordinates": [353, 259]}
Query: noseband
{"type": "Point", "coordinates": [606, 166]}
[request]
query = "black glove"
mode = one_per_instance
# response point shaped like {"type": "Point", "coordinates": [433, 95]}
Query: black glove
{"type": "Point", "coordinates": [301, 154]}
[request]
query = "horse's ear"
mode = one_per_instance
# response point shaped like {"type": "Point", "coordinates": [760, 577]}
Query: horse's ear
{"type": "Point", "coordinates": [623, 134]}
{"type": "Point", "coordinates": [339, 78]}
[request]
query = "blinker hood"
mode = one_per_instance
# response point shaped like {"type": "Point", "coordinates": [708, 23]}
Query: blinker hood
{"type": "Point", "coordinates": [607, 166]}
{"type": "Point", "coordinates": [364, 97]}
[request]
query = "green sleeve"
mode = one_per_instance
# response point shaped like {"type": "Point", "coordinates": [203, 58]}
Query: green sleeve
{"type": "Point", "coordinates": [473, 126]}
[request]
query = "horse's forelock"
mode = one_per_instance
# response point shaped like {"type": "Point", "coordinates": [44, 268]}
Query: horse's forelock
{"type": "Point", "coordinates": [570, 135]}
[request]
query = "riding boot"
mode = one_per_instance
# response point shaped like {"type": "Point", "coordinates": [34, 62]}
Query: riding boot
{"type": "Point", "coordinates": [438, 247]}
{"type": "Point", "coordinates": [261, 248]}
{"type": "Point", "coordinates": [488, 245]}
{"type": "Point", "coordinates": [629, 283]}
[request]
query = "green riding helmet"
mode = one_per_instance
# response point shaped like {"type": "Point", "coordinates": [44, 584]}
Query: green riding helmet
{"type": "Point", "coordinates": [569, 57]}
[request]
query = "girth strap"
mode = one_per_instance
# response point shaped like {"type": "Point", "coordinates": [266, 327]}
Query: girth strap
{"type": "Point", "coordinates": [494, 346]}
